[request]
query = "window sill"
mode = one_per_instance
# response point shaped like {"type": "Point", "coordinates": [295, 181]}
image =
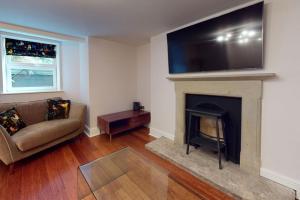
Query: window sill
{"type": "Point", "coordinates": [37, 92]}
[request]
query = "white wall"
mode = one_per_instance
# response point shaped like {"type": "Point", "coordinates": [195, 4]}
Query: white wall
{"type": "Point", "coordinates": [162, 90]}
{"type": "Point", "coordinates": [112, 78]}
{"type": "Point", "coordinates": [143, 75]}
{"type": "Point", "coordinates": [280, 129]}
{"type": "Point", "coordinates": [84, 78]}
{"type": "Point", "coordinates": [115, 75]}
{"type": "Point", "coordinates": [280, 119]}
{"type": "Point", "coordinates": [71, 70]}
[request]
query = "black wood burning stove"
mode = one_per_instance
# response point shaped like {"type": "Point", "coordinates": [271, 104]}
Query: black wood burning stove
{"type": "Point", "coordinates": [215, 141]}
{"type": "Point", "coordinates": [214, 122]}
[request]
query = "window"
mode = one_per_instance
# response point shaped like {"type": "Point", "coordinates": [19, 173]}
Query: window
{"type": "Point", "coordinates": [29, 65]}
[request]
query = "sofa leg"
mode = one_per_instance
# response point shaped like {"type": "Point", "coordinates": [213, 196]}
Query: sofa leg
{"type": "Point", "coordinates": [11, 168]}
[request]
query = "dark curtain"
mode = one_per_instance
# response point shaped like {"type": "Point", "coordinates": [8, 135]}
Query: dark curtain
{"type": "Point", "coordinates": [26, 48]}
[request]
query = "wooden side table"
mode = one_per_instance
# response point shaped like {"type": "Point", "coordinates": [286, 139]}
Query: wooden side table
{"type": "Point", "coordinates": [115, 123]}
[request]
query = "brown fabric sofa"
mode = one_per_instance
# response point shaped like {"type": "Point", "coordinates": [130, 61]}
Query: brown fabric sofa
{"type": "Point", "coordinates": [39, 133]}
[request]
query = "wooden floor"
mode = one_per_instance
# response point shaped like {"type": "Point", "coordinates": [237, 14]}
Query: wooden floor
{"type": "Point", "coordinates": [52, 174]}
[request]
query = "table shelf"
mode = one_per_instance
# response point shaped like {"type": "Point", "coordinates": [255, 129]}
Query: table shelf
{"type": "Point", "coordinates": [115, 123]}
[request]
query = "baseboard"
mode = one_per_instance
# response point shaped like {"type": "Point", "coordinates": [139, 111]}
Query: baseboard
{"type": "Point", "coordinates": [283, 180]}
{"type": "Point", "coordinates": [158, 133]}
{"type": "Point", "coordinates": [91, 132]}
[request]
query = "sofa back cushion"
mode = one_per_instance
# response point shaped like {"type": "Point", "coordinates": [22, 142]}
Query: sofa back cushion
{"type": "Point", "coordinates": [33, 112]}
{"type": "Point", "coordinates": [6, 106]}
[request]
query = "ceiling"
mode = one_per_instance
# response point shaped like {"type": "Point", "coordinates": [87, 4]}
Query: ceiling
{"type": "Point", "coordinates": [130, 21]}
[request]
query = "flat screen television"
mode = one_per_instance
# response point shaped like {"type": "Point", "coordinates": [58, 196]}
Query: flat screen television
{"type": "Point", "coordinates": [233, 41]}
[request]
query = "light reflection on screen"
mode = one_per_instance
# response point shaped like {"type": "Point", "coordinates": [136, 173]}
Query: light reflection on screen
{"type": "Point", "coordinates": [233, 41]}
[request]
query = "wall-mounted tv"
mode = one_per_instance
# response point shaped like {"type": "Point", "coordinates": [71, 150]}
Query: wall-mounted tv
{"type": "Point", "coordinates": [233, 41]}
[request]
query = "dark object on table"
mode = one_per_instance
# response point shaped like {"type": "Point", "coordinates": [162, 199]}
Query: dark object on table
{"type": "Point", "coordinates": [137, 106]}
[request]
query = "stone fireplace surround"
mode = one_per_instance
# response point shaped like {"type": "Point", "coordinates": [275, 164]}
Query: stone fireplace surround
{"type": "Point", "coordinates": [249, 88]}
{"type": "Point", "coordinates": [242, 181]}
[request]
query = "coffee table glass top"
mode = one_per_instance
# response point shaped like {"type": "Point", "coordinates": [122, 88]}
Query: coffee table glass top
{"type": "Point", "coordinates": [127, 175]}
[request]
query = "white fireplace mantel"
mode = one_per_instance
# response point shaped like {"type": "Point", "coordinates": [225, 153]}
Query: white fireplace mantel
{"type": "Point", "coordinates": [254, 75]}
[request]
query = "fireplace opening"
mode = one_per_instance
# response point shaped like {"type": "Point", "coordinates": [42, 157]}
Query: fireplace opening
{"type": "Point", "coordinates": [212, 116]}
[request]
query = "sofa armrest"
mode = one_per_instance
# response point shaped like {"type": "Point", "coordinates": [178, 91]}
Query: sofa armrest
{"type": "Point", "coordinates": [77, 111]}
{"type": "Point", "coordinates": [7, 147]}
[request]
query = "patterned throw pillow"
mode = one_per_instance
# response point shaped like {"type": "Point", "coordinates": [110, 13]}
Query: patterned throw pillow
{"type": "Point", "coordinates": [58, 109]}
{"type": "Point", "coordinates": [11, 121]}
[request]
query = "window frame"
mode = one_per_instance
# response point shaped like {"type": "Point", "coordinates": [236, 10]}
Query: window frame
{"type": "Point", "coordinates": [7, 67]}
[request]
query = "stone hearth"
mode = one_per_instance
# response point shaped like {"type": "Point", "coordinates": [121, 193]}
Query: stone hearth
{"type": "Point", "coordinates": [231, 179]}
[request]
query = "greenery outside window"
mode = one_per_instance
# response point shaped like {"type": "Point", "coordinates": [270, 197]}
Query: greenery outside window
{"type": "Point", "coordinates": [30, 65]}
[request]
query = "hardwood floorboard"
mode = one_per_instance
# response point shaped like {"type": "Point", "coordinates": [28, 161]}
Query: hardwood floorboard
{"type": "Point", "coordinates": [52, 174]}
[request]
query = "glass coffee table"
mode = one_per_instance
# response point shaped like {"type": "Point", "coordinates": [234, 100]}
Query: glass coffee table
{"type": "Point", "coordinates": [127, 175]}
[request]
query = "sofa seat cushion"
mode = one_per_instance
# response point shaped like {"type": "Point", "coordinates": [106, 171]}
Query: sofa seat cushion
{"type": "Point", "coordinates": [44, 132]}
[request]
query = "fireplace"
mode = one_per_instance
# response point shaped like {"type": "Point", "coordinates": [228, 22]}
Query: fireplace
{"type": "Point", "coordinates": [248, 92]}
{"type": "Point", "coordinates": [204, 128]}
